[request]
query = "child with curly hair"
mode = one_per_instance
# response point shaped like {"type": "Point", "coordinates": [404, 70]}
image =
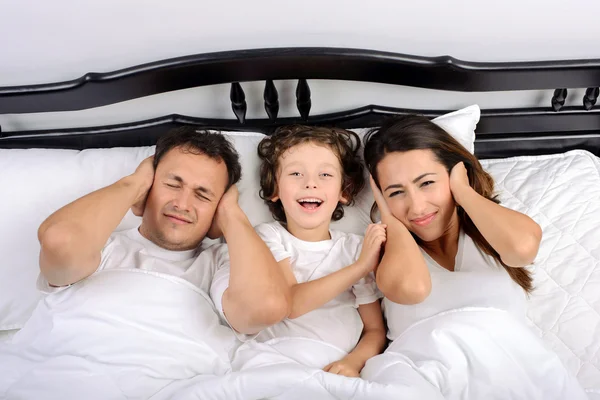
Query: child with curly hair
{"type": "Point", "coordinates": [308, 174]}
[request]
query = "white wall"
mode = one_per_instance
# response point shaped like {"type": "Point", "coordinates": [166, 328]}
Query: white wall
{"type": "Point", "coordinates": [53, 40]}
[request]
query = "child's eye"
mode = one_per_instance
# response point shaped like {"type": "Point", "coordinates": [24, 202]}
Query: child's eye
{"type": "Point", "coordinates": [326, 174]}
{"type": "Point", "coordinates": [295, 174]}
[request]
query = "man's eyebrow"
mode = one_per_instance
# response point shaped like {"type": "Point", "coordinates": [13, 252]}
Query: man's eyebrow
{"type": "Point", "coordinates": [175, 178]}
{"type": "Point", "coordinates": [204, 190]}
{"type": "Point", "coordinates": [199, 189]}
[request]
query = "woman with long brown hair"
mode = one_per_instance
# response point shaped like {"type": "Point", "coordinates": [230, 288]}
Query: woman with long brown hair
{"type": "Point", "coordinates": [454, 271]}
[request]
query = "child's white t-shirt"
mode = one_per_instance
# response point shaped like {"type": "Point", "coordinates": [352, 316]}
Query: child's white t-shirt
{"type": "Point", "coordinates": [337, 322]}
{"type": "Point", "coordinates": [477, 281]}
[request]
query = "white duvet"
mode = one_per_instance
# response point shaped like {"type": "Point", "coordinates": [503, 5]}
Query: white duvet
{"type": "Point", "coordinates": [118, 334]}
{"type": "Point", "coordinates": [131, 334]}
{"type": "Point", "coordinates": [477, 353]}
{"type": "Point", "coordinates": [153, 339]}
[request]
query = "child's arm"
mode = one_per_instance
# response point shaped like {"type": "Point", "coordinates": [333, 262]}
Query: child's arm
{"type": "Point", "coordinates": [309, 296]}
{"type": "Point", "coordinates": [371, 342]}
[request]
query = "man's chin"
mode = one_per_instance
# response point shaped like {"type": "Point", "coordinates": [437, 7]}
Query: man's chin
{"type": "Point", "coordinates": [174, 245]}
{"type": "Point", "coordinates": [176, 241]}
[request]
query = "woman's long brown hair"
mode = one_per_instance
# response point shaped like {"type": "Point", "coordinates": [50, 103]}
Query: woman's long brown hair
{"type": "Point", "coordinates": [415, 132]}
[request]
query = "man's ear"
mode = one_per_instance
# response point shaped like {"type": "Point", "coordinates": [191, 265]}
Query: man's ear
{"type": "Point", "coordinates": [138, 208]}
{"type": "Point", "coordinates": [214, 232]}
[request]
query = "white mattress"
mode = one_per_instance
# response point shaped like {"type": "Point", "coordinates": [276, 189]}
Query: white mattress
{"type": "Point", "coordinates": [562, 193]}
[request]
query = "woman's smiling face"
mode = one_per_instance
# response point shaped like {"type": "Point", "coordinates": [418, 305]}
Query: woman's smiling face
{"type": "Point", "coordinates": [416, 186]}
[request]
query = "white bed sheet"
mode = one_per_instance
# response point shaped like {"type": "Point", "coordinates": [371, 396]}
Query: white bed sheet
{"type": "Point", "coordinates": [562, 193]}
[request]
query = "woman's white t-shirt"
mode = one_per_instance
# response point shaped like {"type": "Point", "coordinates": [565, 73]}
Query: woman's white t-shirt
{"type": "Point", "coordinates": [477, 281]}
{"type": "Point", "coordinates": [337, 322]}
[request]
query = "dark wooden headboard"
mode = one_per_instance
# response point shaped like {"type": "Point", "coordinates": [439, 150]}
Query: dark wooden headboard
{"type": "Point", "coordinates": [500, 133]}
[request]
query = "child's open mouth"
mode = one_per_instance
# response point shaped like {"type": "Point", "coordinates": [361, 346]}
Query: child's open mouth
{"type": "Point", "coordinates": [310, 203]}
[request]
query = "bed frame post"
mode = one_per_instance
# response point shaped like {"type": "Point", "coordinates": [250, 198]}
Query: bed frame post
{"type": "Point", "coordinates": [238, 102]}
{"type": "Point", "coordinates": [271, 100]}
{"type": "Point", "coordinates": [303, 101]}
{"type": "Point", "coordinates": [559, 98]}
{"type": "Point", "coordinates": [589, 100]}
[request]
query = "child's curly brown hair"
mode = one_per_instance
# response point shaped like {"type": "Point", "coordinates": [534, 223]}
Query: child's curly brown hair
{"type": "Point", "coordinates": [344, 144]}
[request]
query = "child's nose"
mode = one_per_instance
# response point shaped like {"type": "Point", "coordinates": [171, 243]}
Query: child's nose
{"type": "Point", "coordinates": [311, 183]}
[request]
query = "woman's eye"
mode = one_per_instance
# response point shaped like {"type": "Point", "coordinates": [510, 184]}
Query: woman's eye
{"type": "Point", "coordinates": [427, 183]}
{"type": "Point", "coordinates": [171, 185]}
{"type": "Point", "coordinates": [396, 193]}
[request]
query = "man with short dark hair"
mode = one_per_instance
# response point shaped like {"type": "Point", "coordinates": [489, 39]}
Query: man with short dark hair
{"type": "Point", "coordinates": [178, 192]}
{"type": "Point", "coordinates": [134, 305]}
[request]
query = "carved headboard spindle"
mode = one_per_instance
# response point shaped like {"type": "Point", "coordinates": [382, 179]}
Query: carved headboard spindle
{"type": "Point", "coordinates": [271, 100]}
{"type": "Point", "coordinates": [590, 97]}
{"type": "Point", "coordinates": [238, 102]}
{"type": "Point", "coordinates": [303, 101]}
{"type": "Point", "coordinates": [559, 98]}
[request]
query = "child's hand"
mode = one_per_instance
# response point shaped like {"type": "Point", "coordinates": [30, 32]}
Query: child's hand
{"type": "Point", "coordinates": [343, 367]}
{"type": "Point", "coordinates": [375, 237]}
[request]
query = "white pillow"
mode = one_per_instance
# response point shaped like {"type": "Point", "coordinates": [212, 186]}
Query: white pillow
{"type": "Point", "coordinates": [461, 125]}
{"type": "Point", "coordinates": [36, 182]}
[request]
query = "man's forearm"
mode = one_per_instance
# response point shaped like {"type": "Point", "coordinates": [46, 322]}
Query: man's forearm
{"type": "Point", "coordinates": [84, 226]}
{"type": "Point", "coordinates": [258, 294]}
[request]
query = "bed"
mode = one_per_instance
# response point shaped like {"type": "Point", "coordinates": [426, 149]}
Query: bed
{"type": "Point", "coordinates": [545, 160]}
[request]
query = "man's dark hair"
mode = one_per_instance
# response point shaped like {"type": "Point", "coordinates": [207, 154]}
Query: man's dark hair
{"type": "Point", "coordinates": [201, 142]}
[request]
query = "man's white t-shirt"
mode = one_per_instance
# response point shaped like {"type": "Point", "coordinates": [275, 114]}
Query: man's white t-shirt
{"type": "Point", "coordinates": [337, 322]}
{"type": "Point", "coordinates": [477, 281]}
{"type": "Point", "coordinates": [129, 249]}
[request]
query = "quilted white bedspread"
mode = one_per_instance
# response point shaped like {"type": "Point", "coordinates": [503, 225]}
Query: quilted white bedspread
{"type": "Point", "coordinates": [562, 193]}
